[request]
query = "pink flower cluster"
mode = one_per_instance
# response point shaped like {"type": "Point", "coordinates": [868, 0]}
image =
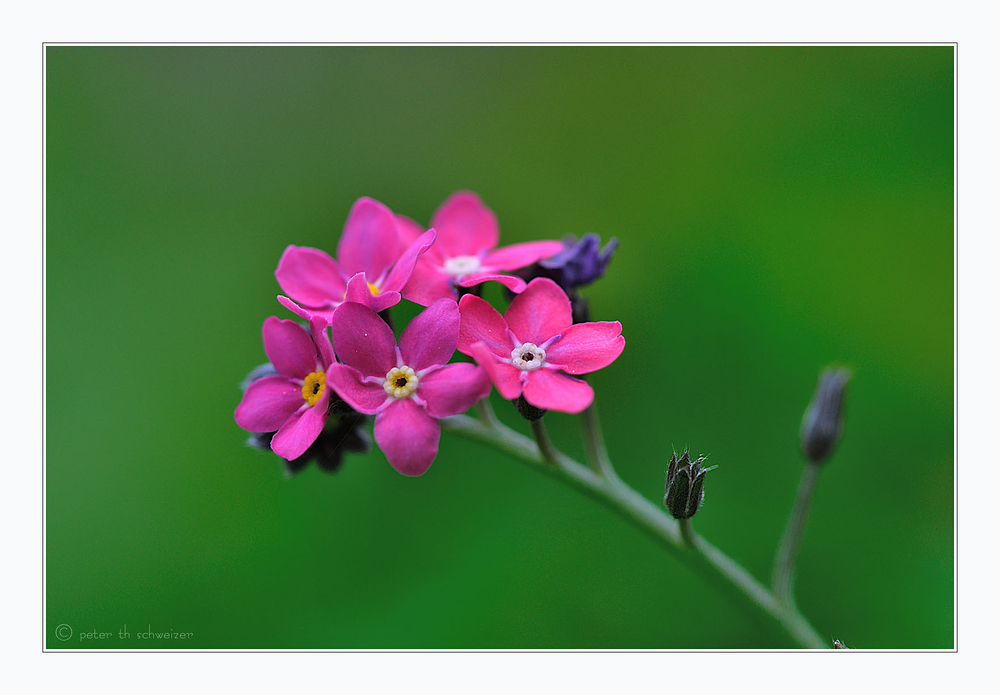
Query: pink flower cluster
{"type": "Point", "coordinates": [534, 351]}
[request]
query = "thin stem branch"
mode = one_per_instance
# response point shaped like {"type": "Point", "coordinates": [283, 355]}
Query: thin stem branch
{"type": "Point", "coordinates": [783, 577]}
{"type": "Point", "coordinates": [687, 532]}
{"type": "Point", "coordinates": [597, 452]}
{"type": "Point", "coordinates": [711, 563]}
{"type": "Point", "coordinates": [545, 445]}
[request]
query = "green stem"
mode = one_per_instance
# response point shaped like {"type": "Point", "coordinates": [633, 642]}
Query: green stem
{"type": "Point", "coordinates": [545, 447]}
{"type": "Point", "coordinates": [711, 563]}
{"type": "Point", "coordinates": [783, 577]}
{"type": "Point", "coordinates": [597, 452]}
{"type": "Point", "coordinates": [687, 532]}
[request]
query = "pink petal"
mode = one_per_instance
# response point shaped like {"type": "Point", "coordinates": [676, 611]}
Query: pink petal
{"type": "Point", "coordinates": [289, 348]}
{"type": "Point", "coordinates": [298, 434]}
{"type": "Point", "coordinates": [432, 335]}
{"type": "Point", "coordinates": [505, 377]}
{"type": "Point", "coordinates": [520, 255]}
{"type": "Point", "coordinates": [310, 276]}
{"type": "Point", "coordinates": [347, 383]}
{"type": "Point", "coordinates": [454, 389]}
{"type": "Point", "coordinates": [407, 436]}
{"type": "Point", "coordinates": [586, 347]}
{"type": "Point", "coordinates": [550, 390]}
{"type": "Point", "coordinates": [465, 226]}
{"type": "Point", "coordinates": [514, 284]}
{"type": "Point", "coordinates": [401, 272]}
{"type": "Point", "coordinates": [427, 284]}
{"type": "Point", "coordinates": [359, 292]}
{"type": "Point", "coordinates": [369, 243]}
{"type": "Point", "coordinates": [482, 323]}
{"type": "Point", "coordinates": [409, 231]}
{"type": "Point", "coordinates": [540, 312]}
{"type": "Point", "coordinates": [323, 315]}
{"type": "Point", "coordinates": [320, 336]}
{"type": "Point", "coordinates": [363, 340]}
{"type": "Point", "coordinates": [268, 403]}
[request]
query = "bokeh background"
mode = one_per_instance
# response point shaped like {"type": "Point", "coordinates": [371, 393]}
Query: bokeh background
{"type": "Point", "coordinates": [779, 208]}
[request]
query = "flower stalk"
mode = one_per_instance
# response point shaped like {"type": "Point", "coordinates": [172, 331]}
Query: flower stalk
{"type": "Point", "coordinates": [783, 577]}
{"type": "Point", "coordinates": [702, 557]}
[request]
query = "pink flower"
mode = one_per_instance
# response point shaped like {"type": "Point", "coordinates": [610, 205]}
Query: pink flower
{"type": "Point", "coordinates": [524, 350]}
{"type": "Point", "coordinates": [294, 402]}
{"type": "Point", "coordinates": [408, 387]}
{"type": "Point", "coordinates": [374, 266]}
{"type": "Point", "coordinates": [465, 252]}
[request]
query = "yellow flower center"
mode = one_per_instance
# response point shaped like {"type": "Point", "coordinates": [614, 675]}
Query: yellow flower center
{"type": "Point", "coordinates": [400, 382]}
{"type": "Point", "coordinates": [373, 289]}
{"type": "Point", "coordinates": [313, 389]}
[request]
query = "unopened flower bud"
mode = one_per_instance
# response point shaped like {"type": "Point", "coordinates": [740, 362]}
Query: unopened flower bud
{"type": "Point", "coordinates": [685, 488]}
{"type": "Point", "coordinates": [528, 411]}
{"type": "Point", "coordinates": [824, 418]}
{"type": "Point", "coordinates": [579, 263]}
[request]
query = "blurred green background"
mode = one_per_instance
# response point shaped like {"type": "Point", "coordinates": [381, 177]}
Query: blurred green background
{"type": "Point", "coordinates": [779, 208]}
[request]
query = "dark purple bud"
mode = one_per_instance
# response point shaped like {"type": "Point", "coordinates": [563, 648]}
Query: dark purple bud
{"type": "Point", "coordinates": [579, 263]}
{"type": "Point", "coordinates": [824, 418]}
{"type": "Point", "coordinates": [685, 490]}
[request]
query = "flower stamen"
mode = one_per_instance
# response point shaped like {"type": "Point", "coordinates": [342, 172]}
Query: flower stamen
{"type": "Point", "coordinates": [527, 357]}
{"type": "Point", "coordinates": [313, 387]}
{"type": "Point", "coordinates": [400, 382]}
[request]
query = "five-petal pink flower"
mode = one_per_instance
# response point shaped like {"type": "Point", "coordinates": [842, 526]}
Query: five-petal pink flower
{"type": "Point", "coordinates": [294, 402]}
{"type": "Point", "coordinates": [373, 266]}
{"type": "Point", "coordinates": [525, 350]}
{"type": "Point", "coordinates": [409, 386]}
{"type": "Point", "coordinates": [465, 252]}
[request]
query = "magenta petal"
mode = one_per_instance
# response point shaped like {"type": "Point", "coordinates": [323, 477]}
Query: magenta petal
{"type": "Point", "coordinates": [520, 255]}
{"type": "Point", "coordinates": [505, 377]}
{"type": "Point", "coordinates": [427, 284]}
{"type": "Point", "coordinates": [407, 436]}
{"type": "Point", "coordinates": [482, 323]}
{"type": "Point", "coordinates": [321, 338]}
{"type": "Point", "coordinates": [363, 340]}
{"type": "Point", "coordinates": [324, 315]}
{"type": "Point", "coordinates": [310, 276]}
{"type": "Point", "coordinates": [359, 291]}
{"type": "Point", "coordinates": [432, 335]}
{"type": "Point", "coordinates": [514, 284]}
{"type": "Point", "coordinates": [550, 390]}
{"type": "Point", "coordinates": [347, 383]}
{"type": "Point", "coordinates": [541, 312]}
{"type": "Point", "coordinates": [409, 231]}
{"type": "Point", "coordinates": [268, 403]}
{"type": "Point", "coordinates": [585, 347]}
{"type": "Point", "coordinates": [465, 226]}
{"type": "Point", "coordinates": [369, 243]}
{"type": "Point", "coordinates": [400, 273]}
{"type": "Point", "coordinates": [289, 348]}
{"type": "Point", "coordinates": [298, 434]}
{"type": "Point", "coordinates": [454, 389]}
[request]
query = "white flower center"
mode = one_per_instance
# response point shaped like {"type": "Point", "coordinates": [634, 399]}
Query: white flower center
{"type": "Point", "coordinates": [460, 266]}
{"type": "Point", "coordinates": [527, 357]}
{"type": "Point", "coordinates": [400, 382]}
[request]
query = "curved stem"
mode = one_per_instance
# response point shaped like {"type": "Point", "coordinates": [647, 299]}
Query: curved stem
{"type": "Point", "coordinates": [597, 452]}
{"type": "Point", "coordinates": [783, 577]}
{"type": "Point", "coordinates": [687, 532]}
{"type": "Point", "coordinates": [545, 446]}
{"type": "Point", "coordinates": [714, 565]}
